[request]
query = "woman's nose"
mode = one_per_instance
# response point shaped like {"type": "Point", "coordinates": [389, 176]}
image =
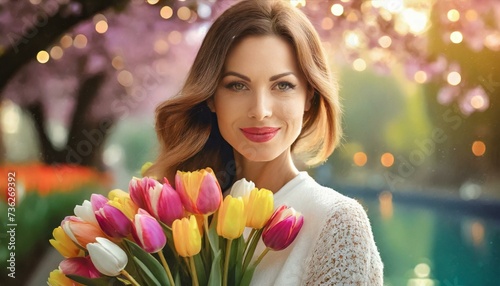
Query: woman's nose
{"type": "Point", "coordinates": [260, 105]}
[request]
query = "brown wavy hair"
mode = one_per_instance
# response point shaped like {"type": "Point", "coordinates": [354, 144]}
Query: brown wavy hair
{"type": "Point", "coordinates": [187, 130]}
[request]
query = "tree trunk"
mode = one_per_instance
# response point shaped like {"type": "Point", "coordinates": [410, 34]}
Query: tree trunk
{"type": "Point", "coordinates": [86, 137]}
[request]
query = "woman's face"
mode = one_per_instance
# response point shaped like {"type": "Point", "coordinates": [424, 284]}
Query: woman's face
{"type": "Point", "coordinates": [261, 98]}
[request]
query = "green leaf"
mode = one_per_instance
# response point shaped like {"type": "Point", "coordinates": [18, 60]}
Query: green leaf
{"type": "Point", "coordinates": [213, 237]}
{"type": "Point", "coordinates": [200, 269]}
{"type": "Point", "coordinates": [247, 276]}
{"type": "Point", "coordinates": [149, 262]}
{"type": "Point", "coordinates": [215, 278]}
{"type": "Point", "coordinates": [236, 260]}
{"type": "Point", "coordinates": [146, 274]}
{"type": "Point", "coordinates": [101, 281]}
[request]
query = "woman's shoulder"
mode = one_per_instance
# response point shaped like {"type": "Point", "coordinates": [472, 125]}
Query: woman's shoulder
{"type": "Point", "coordinates": [322, 200]}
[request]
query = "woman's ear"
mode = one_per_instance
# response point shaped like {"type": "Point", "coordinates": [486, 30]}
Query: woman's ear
{"type": "Point", "coordinates": [210, 104]}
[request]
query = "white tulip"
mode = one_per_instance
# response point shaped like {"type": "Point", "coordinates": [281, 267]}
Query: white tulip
{"type": "Point", "coordinates": [86, 212]}
{"type": "Point", "coordinates": [242, 188]}
{"type": "Point", "coordinates": [107, 257]}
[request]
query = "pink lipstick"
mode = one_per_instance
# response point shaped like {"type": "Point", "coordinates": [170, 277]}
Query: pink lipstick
{"type": "Point", "coordinates": [260, 134]}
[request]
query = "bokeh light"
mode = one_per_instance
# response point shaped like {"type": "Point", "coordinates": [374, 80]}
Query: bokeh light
{"type": "Point", "coordinates": [117, 63]}
{"type": "Point", "coordinates": [56, 52]}
{"type": "Point", "coordinates": [360, 159]}
{"type": "Point", "coordinates": [337, 9]}
{"type": "Point", "coordinates": [184, 13]}
{"type": "Point", "coordinates": [166, 12]}
{"type": "Point", "coordinates": [453, 15]}
{"type": "Point", "coordinates": [175, 37]}
{"type": "Point", "coordinates": [420, 77]}
{"type": "Point", "coordinates": [359, 64]}
{"type": "Point", "coordinates": [456, 37]}
{"type": "Point", "coordinates": [387, 159]}
{"type": "Point", "coordinates": [478, 148]}
{"type": "Point", "coordinates": [385, 41]}
{"type": "Point", "coordinates": [80, 41]}
{"type": "Point", "coordinates": [42, 57]}
{"type": "Point", "coordinates": [125, 78]}
{"type": "Point", "coordinates": [66, 41]}
{"type": "Point", "coordinates": [101, 27]}
{"type": "Point", "coordinates": [454, 78]}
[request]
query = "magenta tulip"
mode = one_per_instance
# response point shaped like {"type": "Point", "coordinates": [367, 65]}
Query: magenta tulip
{"type": "Point", "coordinates": [113, 222]}
{"type": "Point", "coordinates": [81, 266]}
{"type": "Point", "coordinates": [282, 228]}
{"type": "Point", "coordinates": [167, 207]}
{"type": "Point", "coordinates": [148, 233]}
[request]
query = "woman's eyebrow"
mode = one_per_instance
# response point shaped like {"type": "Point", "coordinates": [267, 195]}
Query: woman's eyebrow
{"type": "Point", "coordinates": [275, 77]}
{"type": "Point", "coordinates": [237, 75]}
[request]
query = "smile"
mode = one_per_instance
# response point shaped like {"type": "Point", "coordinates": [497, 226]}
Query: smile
{"type": "Point", "coordinates": [260, 134]}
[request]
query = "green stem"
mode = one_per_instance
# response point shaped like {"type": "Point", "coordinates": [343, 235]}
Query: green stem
{"type": "Point", "coordinates": [167, 269]}
{"type": "Point", "coordinates": [251, 248]}
{"type": "Point", "coordinates": [261, 256]}
{"type": "Point", "coordinates": [249, 240]}
{"type": "Point", "coordinates": [194, 274]}
{"type": "Point", "coordinates": [226, 262]}
{"type": "Point", "coordinates": [129, 277]}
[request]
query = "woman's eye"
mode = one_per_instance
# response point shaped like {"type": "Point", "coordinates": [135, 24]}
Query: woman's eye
{"type": "Point", "coordinates": [236, 86]}
{"type": "Point", "coordinates": [284, 86]}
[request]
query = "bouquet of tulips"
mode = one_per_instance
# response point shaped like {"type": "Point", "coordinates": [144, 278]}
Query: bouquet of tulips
{"type": "Point", "coordinates": [158, 234]}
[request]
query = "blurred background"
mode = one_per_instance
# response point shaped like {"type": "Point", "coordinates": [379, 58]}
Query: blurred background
{"type": "Point", "coordinates": [420, 86]}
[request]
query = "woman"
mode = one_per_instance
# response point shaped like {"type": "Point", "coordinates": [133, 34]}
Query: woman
{"type": "Point", "coordinates": [259, 98]}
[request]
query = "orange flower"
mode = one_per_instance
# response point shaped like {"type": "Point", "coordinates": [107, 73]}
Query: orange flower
{"type": "Point", "coordinates": [80, 231]}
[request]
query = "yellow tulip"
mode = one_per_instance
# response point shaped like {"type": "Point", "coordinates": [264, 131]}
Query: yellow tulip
{"type": "Point", "coordinates": [231, 218]}
{"type": "Point", "coordinates": [122, 201]}
{"type": "Point", "coordinates": [187, 237]}
{"type": "Point", "coordinates": [63, 243]}
{"type": "Point", "coordinates": [57, 278]}
{"type": "Point", "coordinates": [259, 208]}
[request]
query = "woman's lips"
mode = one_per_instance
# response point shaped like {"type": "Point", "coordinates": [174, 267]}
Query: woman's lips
{"type": "Point", "coordinates": [260, 134]}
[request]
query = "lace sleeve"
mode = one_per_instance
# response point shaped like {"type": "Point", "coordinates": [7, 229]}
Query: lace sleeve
{"type": "Point", "coordinates": [345, 252]}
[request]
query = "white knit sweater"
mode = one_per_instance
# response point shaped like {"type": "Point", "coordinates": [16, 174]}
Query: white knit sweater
{"type": "Point", "coordinates": [334, 247]}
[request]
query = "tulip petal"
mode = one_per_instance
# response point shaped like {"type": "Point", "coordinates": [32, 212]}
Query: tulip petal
{"type": "Point", "coordinates": [107, 257]}
{"type": "Point", "coordinates": [187, 238]}
{"type": "Point", "coordinates": [98, 201]}
{"type": "Point", "coordinates": [169, 205]}
{"type": "Point", "coordinates": [57, 278]}
{"type": "Point", "coordinates": [148, 233]}
{"type": "Point", "coordinates": [63, 243]}
{"type": "Point", "coordinates": [85, 212]}
{"type": "Point", "coordinates": [276, 237]}
{"type": "Point", "coordinates": [81, 266]}
{"type": "Point", "coordinates": [210, 195]}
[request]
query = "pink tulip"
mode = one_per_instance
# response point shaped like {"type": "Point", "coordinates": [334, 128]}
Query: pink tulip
{"type": "Point", "coordinates": [282, 228]}
{"type": "Point", "coordinates": [148, 233]}
{"type": "Point", "coordinates": [81, 266]}
{"type": "Point", "coordinates": [80, 231]}
{"type": "Point", "coordinates": [199, 191]}
{"type": "Point", "coordinates": [98, 201]}
{"type": "Point", "coordinates": [140, 188]}
{"type": "Point", "coordinates": [160, 200]}
{"type": "Point", "coordinates": [113, 222]}
{"type": "Point", "coordinates": [167, 207]}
